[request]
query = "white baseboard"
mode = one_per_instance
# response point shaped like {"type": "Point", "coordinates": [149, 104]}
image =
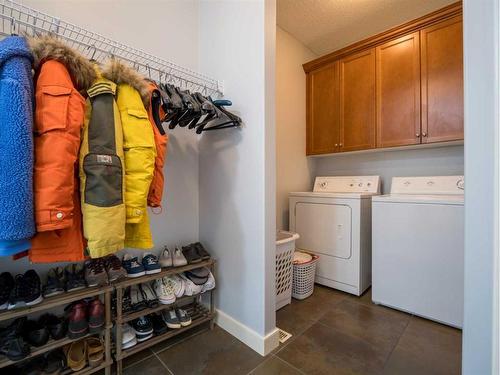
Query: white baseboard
{"type": "Point", "coordinates": [261, 344]}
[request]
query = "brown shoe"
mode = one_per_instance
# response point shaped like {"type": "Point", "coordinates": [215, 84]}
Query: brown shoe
{"type": "Point", "coordinates": [95, 273]}
{"type": "Point", "coordinates": [95, 314]}
{"type": "Point", "coordinates": [95, 351]}
{"type": "Point", "coordinates": [77, 320]}
{"type": "Point", "coordinates": [77, 355]}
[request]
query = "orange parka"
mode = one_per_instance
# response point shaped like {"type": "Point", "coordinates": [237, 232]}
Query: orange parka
{"type": "Point", "coordinates": [156, 114]}
{"type": "Point", "coordinates": [60, 73]}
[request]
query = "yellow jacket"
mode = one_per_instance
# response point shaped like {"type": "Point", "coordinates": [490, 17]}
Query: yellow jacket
{"type": "Point", "coordinates": [139, 151]}
{"type": "Point", "coordinates": [102, 169]}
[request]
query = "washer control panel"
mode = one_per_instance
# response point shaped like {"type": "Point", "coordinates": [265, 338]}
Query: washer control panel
{"type": "Point", "coordinates": [433, 185]}
{"type": "Point", "coordinates": [347, 184]}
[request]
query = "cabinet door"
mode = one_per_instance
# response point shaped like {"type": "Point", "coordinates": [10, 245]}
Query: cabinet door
{"type": "Point", "coordinates": [322, 110]}
{"type": "Point", "coordinates": [357, 101]}
{"type": "Point", "coordinates": [398, 92]}
{"type": "Point", "coordinates": [442, 82]}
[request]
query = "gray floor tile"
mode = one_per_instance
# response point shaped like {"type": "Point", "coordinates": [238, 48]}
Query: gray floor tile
{"type": "Point", "coordinates": [324, 350]}
{"type": "Point", "coordinates": [426, 348]}
{"type": "Point", "coordinates": [152, 366]}
{"type": "Point", "coordinates": [275, 366]}
{"type": "Point", "coordinates": [211, 352]}
{"type": "Point", "coordinates": [376, 325]}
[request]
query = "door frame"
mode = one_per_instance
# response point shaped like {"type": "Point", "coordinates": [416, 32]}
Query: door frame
{"type": "Point", "coordinates": [482, 204]}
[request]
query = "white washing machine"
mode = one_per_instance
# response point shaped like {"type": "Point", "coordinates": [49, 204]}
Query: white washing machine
{"type": "Point", "coordinates": [418, 247]}
{"type": "Point", "coordinates": [334, 222]}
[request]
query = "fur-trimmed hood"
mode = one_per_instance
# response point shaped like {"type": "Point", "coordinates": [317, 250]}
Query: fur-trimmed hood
{"type": "Point", "coordinates": [121, 73]}
{"type": "Point", "coordinates": [48, 47]}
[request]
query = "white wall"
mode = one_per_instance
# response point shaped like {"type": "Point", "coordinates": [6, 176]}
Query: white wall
{"type": "Point", "coordinates": [175, 40]}
{"type": "Point", "coordinates": [293, 168]}
{"type": "Point", "coordinates": [481, 47]}
{"type": "Point", "coordinates": [420, 162]}
{"type": "Point", "coordinates": [234, 163]}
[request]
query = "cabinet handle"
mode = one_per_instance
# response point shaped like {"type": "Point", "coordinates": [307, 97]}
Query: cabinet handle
{"type": "Point", "coordinates": [417, 135]}
{"type": "Point", "coordinates": [424, 134]}
{"type": "Point", "coordinates": [336, 145]}
{"type": "Point", "coordinates": [340, 145]}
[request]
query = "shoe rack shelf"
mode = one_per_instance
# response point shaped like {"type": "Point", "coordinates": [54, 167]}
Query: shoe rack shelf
{"type": "Point", "coordinates": [55, 301]}
{"type": "Point", "coordinates": [63, 300]}
{"type": "Point", "coordinates": [199, 313]}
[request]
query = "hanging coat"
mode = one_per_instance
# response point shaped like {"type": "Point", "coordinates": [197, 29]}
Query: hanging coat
{"type": "Point", "coordinates": [17, 223]}
{"type": "Point", "coordinates": [60, 74]}
{"type": "Point", "coordinates": [102, 171]}
{"type": "Point", "coordinates": [156, 114]}
{"type": "Point", "coordinates": [139, 150]}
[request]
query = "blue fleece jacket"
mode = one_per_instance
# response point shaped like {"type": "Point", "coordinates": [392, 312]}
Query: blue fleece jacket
{"type": "Point", "coordinates": [17, 223]}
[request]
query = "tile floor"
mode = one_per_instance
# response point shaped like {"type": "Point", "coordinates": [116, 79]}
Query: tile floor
{"type": "Point", "coordinates": [333, 333]}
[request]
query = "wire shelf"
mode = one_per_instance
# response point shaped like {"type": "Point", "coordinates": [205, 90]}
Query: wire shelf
{"type": "Point", "coordinates": [22, 20]}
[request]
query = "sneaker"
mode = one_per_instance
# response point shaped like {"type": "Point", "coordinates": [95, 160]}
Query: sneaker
{"type": "Point", "coordinates": [142, 326]}
{"type": "Point", "coordinates": [191, 289]}
{"type": "Point", "coordinates": [178, 259]}
{"type": "Point", "coordinates": [204, 255]}
{"type": "Point", "coordinates": [177, 284]}
{"type": "Point", "coordinates": [55, 282]}
{"type": "Point", "coordinates": [95, 273]}
{"type": "Point", "coordinates": [114, 268]}
{"type": "Point", "coordinates": [166, 258]}
{"type": "Point", "coordinates": [6, 286]}
{"type": "Point", "coordinates": [35, 333]}
{"type": "Point", "coordinates": [151, 264]}
{"type": "Point", "coordinates": [75, 277]}
{"type": "Point", "coordinates": [128, 336]}
{"type": "Point", "coordinates": [191, 254]}
{"type": "Point", "coordinates": [199, 276]}
{"type": "Point", "coordinates": [12, 344]}
{"type": "Point", "coordinates": [184, 317]}
{"type": "Point", "coordinates": [26, 291]}
{"type": "Point", "coordinates": [210, 284]}
{"type": "Point", "coordinates": [159, 326]}
{"type": "Point", "coordinates": [171, 319]}
{"type": "Point", "coordinates": [137, 301]}
{"type": "Point", "coordinates": [149, 295]}
{"type": "Point", "coordinates": [57, 326]}
{"type": "Point", "coordinates": [164, 291]}
{"type": "Point", "coordinates": [133, 267]}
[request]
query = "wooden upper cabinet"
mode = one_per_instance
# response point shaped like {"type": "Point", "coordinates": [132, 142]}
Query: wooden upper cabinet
{"type": "Point", "coordinates": [357, 101]}
{"type": "Point", "coordinates": [322, 110]}
{"type": "Point", "coordinates": [442, 81]}
{"type": "Point", "coordinates": [398, 92]}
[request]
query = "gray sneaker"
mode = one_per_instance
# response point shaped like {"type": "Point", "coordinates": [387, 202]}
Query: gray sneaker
{"type": "Point", "coordinates": [171, 320]}
{"type": "Point", "coordinates": [184, 317]}
{"type": "Point", "coordinates": [95, 273]}
{"type": "Point", "coordinates": [178, 259]}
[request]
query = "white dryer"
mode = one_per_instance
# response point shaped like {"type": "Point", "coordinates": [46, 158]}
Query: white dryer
{"type": "Point", "coordinates": [418, 247]}
{"type": "Point", "coordinates": [334, 222]}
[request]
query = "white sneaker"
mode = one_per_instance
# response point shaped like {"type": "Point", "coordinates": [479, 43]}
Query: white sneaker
{"type": "Point", "coordinates": [164, 291]}
{"type": "Point", "coordinates": [178, 258]}
{"type": "Point", "coordinates": [210, 284]}
{"type": "Point", "coordinates": [177, 285]}
{"type": "Point", "coordinates": [128, 336]}
{"type": "Point", "coordinates": [190, 288]}
{"type": "Point", "coordinates": [166, 258]}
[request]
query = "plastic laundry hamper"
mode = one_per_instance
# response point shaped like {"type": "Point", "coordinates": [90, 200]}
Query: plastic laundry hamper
{"type": "Point", "coordinates": [285, 247]}
{"type": "Point", "coordinates": [303, 278]}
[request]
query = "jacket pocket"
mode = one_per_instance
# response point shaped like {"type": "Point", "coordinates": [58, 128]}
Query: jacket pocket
{"type": "Point", "coordinates": [103, 181]}
{"type": "Point", "coordinates": [52, 110]}
{"type": "Point", "coordinates": [137, 130]}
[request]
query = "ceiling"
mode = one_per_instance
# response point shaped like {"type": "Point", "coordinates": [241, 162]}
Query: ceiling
{"type": "Point", "coordinates": [327, 25]}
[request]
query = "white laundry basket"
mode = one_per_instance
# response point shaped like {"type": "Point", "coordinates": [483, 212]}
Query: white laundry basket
{"type": "Point", "coordinates": [303, 278]}
{"type": "Point", "coordinates": [285, 247]}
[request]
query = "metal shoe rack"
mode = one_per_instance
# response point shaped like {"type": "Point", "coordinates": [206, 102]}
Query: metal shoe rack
{"type": "Point", "coordinates": [63, 300]}
{"type": "Point", "coordinates": [199, 313]}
